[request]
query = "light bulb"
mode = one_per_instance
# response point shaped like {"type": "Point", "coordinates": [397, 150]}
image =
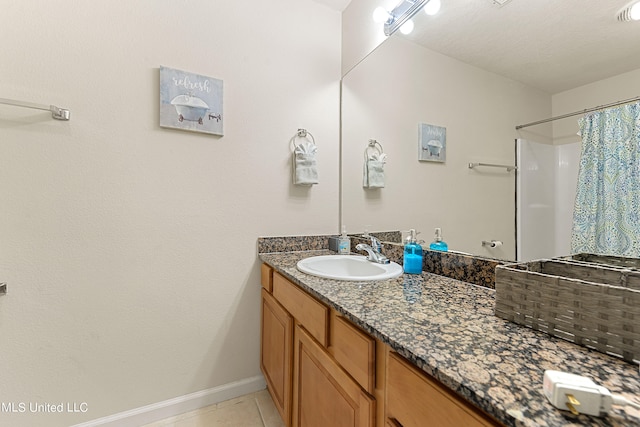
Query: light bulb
{"type": "Point", "coordinates": [407, 27]}
{"type": "Point", "coordinates": [432, 7]}
{"type": "Point", "coordinates": [634, 12]}
{"type": "Point", "coordinates": [380, 15]}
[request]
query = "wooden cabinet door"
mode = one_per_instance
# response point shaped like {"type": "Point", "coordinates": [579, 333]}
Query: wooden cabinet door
{"type": "Point", "coordinates": [415, 400]}
{"type": "Point", "coordinates": [276, 353]}
{"type": "Point", "coordinates": [324, 394]}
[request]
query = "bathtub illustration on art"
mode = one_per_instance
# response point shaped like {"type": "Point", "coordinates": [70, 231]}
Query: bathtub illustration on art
{"type": "Point", "coordinates": [433, 147]}
{"type": "Point", "coordinates": [191, 102]}
{"type": "Point", "coordinates": [191, 108]}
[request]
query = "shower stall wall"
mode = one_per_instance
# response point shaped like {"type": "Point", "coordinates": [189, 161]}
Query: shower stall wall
{"type": "Point", "coordinates": [546, 182]}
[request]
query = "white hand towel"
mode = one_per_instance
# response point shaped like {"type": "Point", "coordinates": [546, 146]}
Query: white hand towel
{"type": "Point", "coordinates": [304, 164]}
{"type": "Point", "coordinates": [373, 173]}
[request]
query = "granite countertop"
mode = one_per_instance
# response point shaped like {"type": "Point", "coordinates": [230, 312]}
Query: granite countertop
{"type": "Point", "coordinates": [448, 329]}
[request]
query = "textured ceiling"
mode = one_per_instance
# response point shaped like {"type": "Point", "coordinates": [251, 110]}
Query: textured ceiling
{"type": "Point", "coordinates": [553, 45]}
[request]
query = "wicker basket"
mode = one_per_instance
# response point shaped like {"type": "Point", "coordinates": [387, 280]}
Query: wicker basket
{"type": "Point", "coordinates": [605, 260]}
{"type": "Point", "coordinates": [591, 305]}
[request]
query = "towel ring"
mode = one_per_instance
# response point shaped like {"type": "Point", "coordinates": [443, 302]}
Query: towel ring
{"type": "Point", "coordinates": [302, 133]}
{"type": "Point", "coordinates": [373, 144]}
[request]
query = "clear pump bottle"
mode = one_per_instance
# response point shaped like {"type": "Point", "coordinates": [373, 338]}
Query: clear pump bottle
{"type": "Point", "coordinates": [412, 260]}
{"type": "Point", "coordinates": [344, 242]}
{"type": "Point", "coordinates": [438, 244]}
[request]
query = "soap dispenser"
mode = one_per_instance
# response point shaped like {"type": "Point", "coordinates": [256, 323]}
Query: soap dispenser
{"type": "Point", "coordinates": [344, 242]}
{"type": "Point", "coordinates": [438, 244]}
{"type": "Point", "coordinates": [412, 260]}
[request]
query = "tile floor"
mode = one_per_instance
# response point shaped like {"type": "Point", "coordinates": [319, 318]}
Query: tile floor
{"type": "Point", "coordinates": [251, 410]}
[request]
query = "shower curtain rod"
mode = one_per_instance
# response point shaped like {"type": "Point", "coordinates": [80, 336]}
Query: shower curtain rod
{"type": "Point", "coordinates": [588, 110]}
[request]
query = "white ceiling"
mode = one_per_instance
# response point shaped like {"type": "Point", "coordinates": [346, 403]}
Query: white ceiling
{"type": "Point", "coordinates": [553, 45]}
{"type": "Point", "coordinates": [339, 5]}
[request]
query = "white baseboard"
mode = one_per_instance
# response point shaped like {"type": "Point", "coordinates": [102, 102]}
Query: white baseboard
{"type": "Point", "coordinates": [179, 405]}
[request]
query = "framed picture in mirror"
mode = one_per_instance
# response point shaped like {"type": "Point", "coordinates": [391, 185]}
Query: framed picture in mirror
{"type": "Point", "coordinates": [432, 143]}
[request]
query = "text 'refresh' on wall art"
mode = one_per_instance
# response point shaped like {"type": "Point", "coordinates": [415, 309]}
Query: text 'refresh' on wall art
{"type": "Point", "coordinates": [190, 102]}
{"type": "Point", "coordinates": [432, 143]}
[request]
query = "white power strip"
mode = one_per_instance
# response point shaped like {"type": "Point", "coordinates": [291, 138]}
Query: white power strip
{"type": "Point", "coordinates": [580, 395]}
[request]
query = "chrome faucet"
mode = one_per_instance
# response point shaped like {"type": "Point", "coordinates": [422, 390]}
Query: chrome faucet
{"type": "Point", "coordinates": [373, 251]}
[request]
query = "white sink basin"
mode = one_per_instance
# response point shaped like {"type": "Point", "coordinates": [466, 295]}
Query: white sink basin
{"type": "Point", "coordinates": [348, 267]}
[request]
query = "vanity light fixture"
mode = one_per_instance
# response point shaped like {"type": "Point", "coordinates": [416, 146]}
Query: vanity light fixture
{"type": "Point", "coordinates": [380, 15]}
{"type": "Point", "coordinates": [407, 27]}
{"type": "Point", "coordinates": [401, 15]}
{"type": "Point", "coordinates": [432, 7]}
{"type": "Point", "coordinates": [631, 12]}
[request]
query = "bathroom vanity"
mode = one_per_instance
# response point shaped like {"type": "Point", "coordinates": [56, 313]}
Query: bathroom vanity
{"type": "Point", "coordinates": [336, 374]}
{"type": "Point", "coordinates": [417, 350]}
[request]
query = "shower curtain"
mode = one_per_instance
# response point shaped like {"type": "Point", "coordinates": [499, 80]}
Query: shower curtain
{"type": "Point", "coordinates": [607, 207]}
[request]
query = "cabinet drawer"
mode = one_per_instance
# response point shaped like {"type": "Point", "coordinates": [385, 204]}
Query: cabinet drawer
{"type": "Point", "coordinates": [354, 350]}
{"type": "Point", "coordinates": [266, 277]}
{"type": "Point", "coordinates": [415, 400]}
{"type": "Point", "coordinates": [311, 314]}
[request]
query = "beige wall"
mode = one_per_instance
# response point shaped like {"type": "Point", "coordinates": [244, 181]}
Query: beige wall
{"type": "Point", "coordinates": [130, 250]}
{"type": "Point", "coordinates": [621, 87]}
{"type": "Point", "coordinates": [360, 34]}
{"type": "Point", "coordinates": [401, 85]}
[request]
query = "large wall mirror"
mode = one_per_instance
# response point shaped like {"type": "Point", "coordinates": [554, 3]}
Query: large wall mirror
{"type": "Point", "coordinates": [409, 81]}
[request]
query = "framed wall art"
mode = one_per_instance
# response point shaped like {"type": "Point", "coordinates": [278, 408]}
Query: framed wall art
{"type": "Point", "coordinates": [190, 101]}
{"type": "Point", "coordinates": [432, 143]}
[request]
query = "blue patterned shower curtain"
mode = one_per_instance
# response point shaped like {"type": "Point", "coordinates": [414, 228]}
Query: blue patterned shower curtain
{"type": "Point", "coordinates": [606, 217]}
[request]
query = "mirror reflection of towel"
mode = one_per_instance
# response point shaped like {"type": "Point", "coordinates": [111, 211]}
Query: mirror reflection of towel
{"type": "Point", "coordinates": [304, 164]}
{"type": "Point", "coordinates": [373, 173]}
